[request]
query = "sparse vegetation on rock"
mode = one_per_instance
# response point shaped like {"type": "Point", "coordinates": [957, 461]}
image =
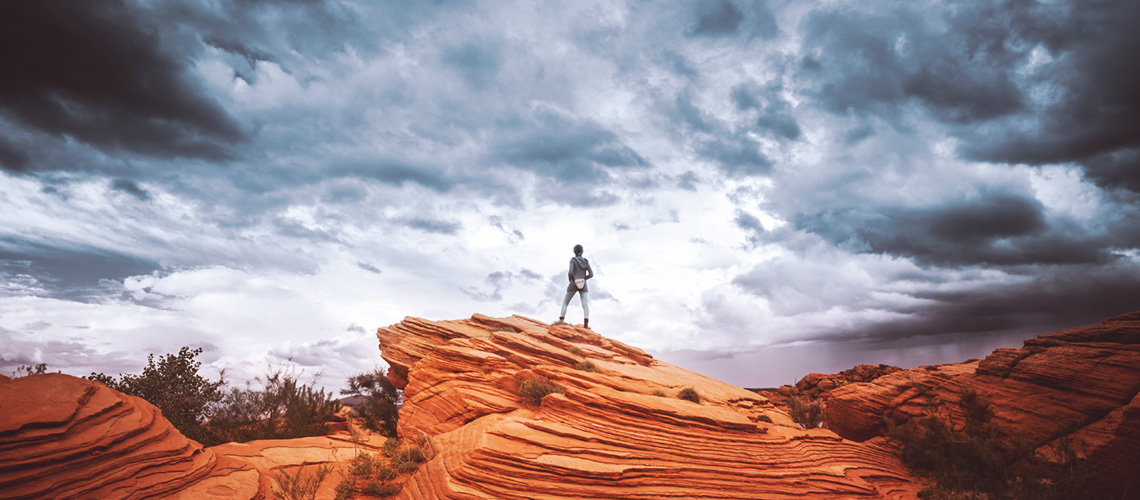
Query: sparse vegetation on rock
{"type": "Point", "coordinates": [659, 393]}
{"type": "Point", "coordinates": [586, 366]}
{"type": "Point", "coordinates": [533, 389]}
{"type": "Point", "coordinates": [970, 461]}
{"type": "Point", "coordinates": [283, 409]}
{"type": "Point", "coordinates": [689, 394]}
{"type": "Point", "coordinates": [300, 485]}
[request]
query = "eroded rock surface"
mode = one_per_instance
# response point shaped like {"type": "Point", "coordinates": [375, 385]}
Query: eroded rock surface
{"type": "Point", "coordinates": [1079, 385]}
{"type": "Point", "coordinates": [617, 432]}
{"type": "Point", "coordinates": [63, 437]}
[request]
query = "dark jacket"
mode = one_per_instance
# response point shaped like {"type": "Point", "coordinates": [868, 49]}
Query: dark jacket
{"type": "Point", "coordinates": [579, 269]}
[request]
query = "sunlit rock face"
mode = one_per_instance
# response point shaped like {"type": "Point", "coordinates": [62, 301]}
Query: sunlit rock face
{"type": "Point", "coordinates": [1079, 385]}
{"type": "Point", "coordinates": [618, 431]}
{"type": "Point", "coordinates": [66, 437]}
{"type": "Point", "coordinates": [63, 437]}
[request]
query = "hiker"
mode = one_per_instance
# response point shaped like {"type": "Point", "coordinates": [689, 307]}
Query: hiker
{"type": "Point", "coordinates": [579, 272]}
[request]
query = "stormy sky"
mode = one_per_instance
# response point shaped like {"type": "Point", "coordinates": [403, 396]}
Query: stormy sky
{"type": "Point", "coordinates": [764, 188]}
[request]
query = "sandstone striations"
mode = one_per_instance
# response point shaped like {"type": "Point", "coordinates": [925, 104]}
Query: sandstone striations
{"type": "Point", "coordinates": [617, 431]}
{"type": "Point", "coordinates": [1078, 386]}
{"type": "Point", "coordinates": [63, 437]}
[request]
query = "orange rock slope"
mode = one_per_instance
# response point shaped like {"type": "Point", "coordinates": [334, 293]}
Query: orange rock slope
{"type": "Point", "coordinates": [1080, 386]}
{"type": "Point", "coordinates": [617, 432]}
{"type": "Point", "coordinates": [63, 437]}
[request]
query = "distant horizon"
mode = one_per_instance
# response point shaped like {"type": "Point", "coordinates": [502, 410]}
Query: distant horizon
{"type": "Point", "coordinates": [761, 187]}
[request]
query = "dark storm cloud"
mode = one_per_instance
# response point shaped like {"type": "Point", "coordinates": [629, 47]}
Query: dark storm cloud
{"type": "Point", "coordinates": [72, 272]}
{"type": "Point", "coordinates": [430, 225]}
{"type": "Point", "coordinates": [717, 17]}
{"type": "Point", "coordinates": [368, 267]}
{"type": "Point", "coordinates": [984, 74]}
{"type": "Point", "coordinates": [128, 186]}
{"type": "Point", "coordinates": [729, 148]}
{"type": "Point", "coordinates": [1096, 107]}
{"type": "Point", "coordinates": [571, 150]}
{"type": "Point", "coordinates": [100, 73]}
{"type": "Point", "coordinates": [993, 227]}
{"type": "Point", "coordinates": [13, 158]}
{"type": "Point", "coordinates": [394, 172]}
{"type": "Point", "coordinates": [773, 112]}
{"type": "Point", "coordinates": [724, 18]}
{"type": "Point", "coordinates": [1059, 298]}
{"type": "Point", "coordinates": [875, 63]}
{"type": "Point", "coordinates": [476, 63]}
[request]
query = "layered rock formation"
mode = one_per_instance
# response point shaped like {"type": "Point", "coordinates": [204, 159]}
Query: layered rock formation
{"type": "Point", "coordinates": [63, 437]}
{"type": "Point", "coordinates": [1077, 386]}
{"type": "Point", "coordinates": [618, 430]}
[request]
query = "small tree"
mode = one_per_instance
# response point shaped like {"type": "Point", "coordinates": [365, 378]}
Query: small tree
{"type": "Point", "coordinates": [175, 387]}
{"type": "Point", "coordinates": [380, 399]}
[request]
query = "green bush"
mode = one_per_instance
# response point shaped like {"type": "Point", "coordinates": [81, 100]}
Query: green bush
{"type": "Point", "coordinates": [173, 384]}
{"type": "Point", "coordinates": [299, 486]}
{"type": "Point", "coordinates": [689, 394]}
{"type": "Point", "coordinates": [532, 390]}
{"type": "Point", "coordinates": [974, 462]}
{"type": "Point", "coordinates": [809, 414]}
{"type": "Point", "coordinates": [586, 366]}
{"type": "Point", "coordinates": [378, 411]}
{"type": "Point", "coordinates": [381, 489]}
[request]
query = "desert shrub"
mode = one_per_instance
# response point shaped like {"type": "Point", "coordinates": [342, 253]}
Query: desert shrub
{"type": "Point", "coordinates": [689, 394]}
{"type": "Point", "coordinates": [809, 414]}
{"type": "Point", "coordinates": [574, 350]}
{"type": "Point", "coordinates": [283, 409]}
{"type": "Point", "coordinates": [659, 393]}
{"type": "Point", "coordinates": [369, 475]}
{"type": "Point", "coordinates": [300, 485]}
{"type": "Point", "coordinates": [378, 411]}
{"type": "Point", "coordinates": [764, 418]}
{"type": "Point", "coordinates": [586, 366]}
{"type": "Point", "coordinates": [972, 461]}
{"type": "Point", "coordinates": [409, 459]}
{"type": "Point", "coordinates": [27, 371]}
{"type": "Point", "coordinates": [175, 387]}
{"type": "Point", "coordinates": [381, 488]}
{"type": "Point", "coordinates": [532, 390]}
{"type": "Point", "coordinates": [390, 446]}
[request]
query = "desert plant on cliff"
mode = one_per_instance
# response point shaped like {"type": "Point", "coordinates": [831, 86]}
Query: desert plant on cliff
{"type": "Point", "coordinates": [378, 409]}
{"type": "Point", "coordinates": [764, 418]}
{"type": "Point", "coordinates": [689, 394]}
{"type": "Point", "coordinates": [175, 387]}
{"type": "Point", "coordinates": [970, 460]}
{"type": "Point", "coordinates": [659, 393]}
{"type": "Point", "coordinates": [368, 475]}
{"type": "Point", "coordinates": [300, 485]}
{"type": "Point", "coordinates": [533, 389]}
{"type": "Point", "coordinates": [586, 366]}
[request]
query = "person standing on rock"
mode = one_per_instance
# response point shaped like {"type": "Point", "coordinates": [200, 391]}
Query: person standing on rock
{"type": "Point", "coordinates": [579, 272]}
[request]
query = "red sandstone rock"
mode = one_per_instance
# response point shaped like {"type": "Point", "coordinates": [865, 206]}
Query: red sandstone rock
{"type": "Point", "coordinates": [63, 437]}
{"type": "Point", "coordinates": [1080, 384]}
{"type": "Point", "coordinates": [608, 435]}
